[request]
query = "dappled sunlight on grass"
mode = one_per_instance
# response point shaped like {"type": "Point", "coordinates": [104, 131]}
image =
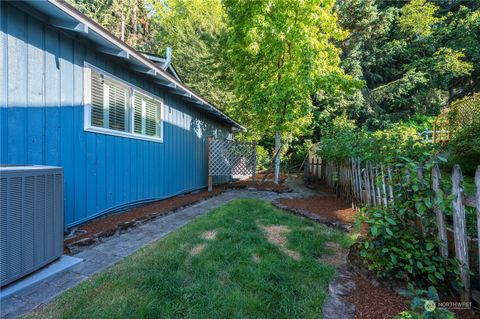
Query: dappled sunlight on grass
{"type": "Point", "coordinates": [224, 264]}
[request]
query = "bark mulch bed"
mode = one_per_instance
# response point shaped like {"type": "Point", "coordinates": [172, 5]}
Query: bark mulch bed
{"type": "Point", "coordinates": [372, 302]}
{"type": "Point", "coordinates": [109, 225]}
{"type": "Point", "coordinates": [326, 209]}
{"type": "Point", "coordinates": [378, 298]}
{"type": "Point", "coordinates": [106, 226]}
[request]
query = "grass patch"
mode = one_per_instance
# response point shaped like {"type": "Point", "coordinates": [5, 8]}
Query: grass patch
{"type": "Point", "coordinates": [237, 273]}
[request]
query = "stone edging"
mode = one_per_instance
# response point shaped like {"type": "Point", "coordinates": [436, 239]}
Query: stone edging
{"type": "Point", "coordinates": [77, 246]}
{"type": "Point", "coordinates": [335, 306]}
{"type": "Point", "coordinates": [317, 218]}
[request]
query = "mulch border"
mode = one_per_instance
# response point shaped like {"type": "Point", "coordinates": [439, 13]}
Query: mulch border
{"type": "Point", "coordinates": [73, 247]}
{"type": "Point", "coordinates": [335, 224]}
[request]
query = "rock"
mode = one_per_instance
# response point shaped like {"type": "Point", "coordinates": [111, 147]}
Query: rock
{"type": "Point", "coordinates": [342, 285]}
{"type": "Point", "coordinates": [337, 308]}
{"type": "Point", "coordinates": [83, 242]}
{"type": "Point", "coordinates": [126, 225]}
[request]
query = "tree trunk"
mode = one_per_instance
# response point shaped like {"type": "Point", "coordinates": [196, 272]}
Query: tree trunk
{"type": "Point", "coordinates": [277, 157]}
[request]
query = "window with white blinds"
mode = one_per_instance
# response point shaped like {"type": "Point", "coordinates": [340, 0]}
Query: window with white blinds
{"type": "Point", "coordinates": [109, 103]}
{"type": "Point", "coordinates": [147, 112]}
{"type": "Point", "coordinates": [118, 107]}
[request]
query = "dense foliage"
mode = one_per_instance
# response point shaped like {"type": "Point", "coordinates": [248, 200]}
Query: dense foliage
{"type": "Point", "coordinates": [464, 149]}
{"type": "Point", "coordinates": [402, 239]}
{"type": "Point", "coordinates": [281, 53]}
{"type": "Point", "coordinates": [341, 140]}
{"type": "Point", "coordinates": [129, 20]}
{"type": "Point", "coordinates": [414, 57]}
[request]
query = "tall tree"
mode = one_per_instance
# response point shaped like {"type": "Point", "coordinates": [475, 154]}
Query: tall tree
{"type": "Point", "coordinates": [281, 53]}
{"type": "Point", "coordinates": [194, 30]}
{"type": "Point", "coordinates": [127, 19]}
{"type": "Point", "coordinates": [410, 55]}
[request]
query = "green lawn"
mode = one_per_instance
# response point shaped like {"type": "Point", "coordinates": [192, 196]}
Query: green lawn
{"type": "Point", "coordinates": [221, 265]}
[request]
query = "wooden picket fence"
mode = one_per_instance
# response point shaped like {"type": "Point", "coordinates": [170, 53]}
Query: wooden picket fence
{"type": "Point", "coordinates": [369, 184]}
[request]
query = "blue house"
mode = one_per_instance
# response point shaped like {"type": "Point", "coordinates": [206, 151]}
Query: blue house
{"type": "Point", "coordinates": [121, 123]}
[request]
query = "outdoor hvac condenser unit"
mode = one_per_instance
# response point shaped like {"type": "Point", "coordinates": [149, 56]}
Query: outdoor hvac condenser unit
{"type": "Point", "coordinates": [31, 206]}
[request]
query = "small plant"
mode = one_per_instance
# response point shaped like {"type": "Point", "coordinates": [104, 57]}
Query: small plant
{"type": "Point", "coordinates": [424, 305]}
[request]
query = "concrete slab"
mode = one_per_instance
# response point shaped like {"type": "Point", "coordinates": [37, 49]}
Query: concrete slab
{"type": "Point", "coordinates": [61, 264]}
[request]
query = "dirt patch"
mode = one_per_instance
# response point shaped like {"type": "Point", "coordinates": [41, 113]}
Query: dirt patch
{"type": "Point", "coordinates": [266, 185]}
{"type": "Point", "coordinates": [276, 235]}
{"type": "Point", "coordinates": [209, 235]}
{"type": "Point", "coordinates": [328, 207]}
{"type": "Point", "coordinates": [197, 249]}
{"type": "Point", "coordinates": [339, 256]}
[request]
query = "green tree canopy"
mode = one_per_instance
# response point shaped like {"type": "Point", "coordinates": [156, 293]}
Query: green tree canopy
{"type": "Point", "coordinates": [281, 53]}
{"type": "Point", "coordinates": [194, 30]}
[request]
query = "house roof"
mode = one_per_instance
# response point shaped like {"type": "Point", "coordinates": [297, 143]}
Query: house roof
{"type": "Point", "coordinates": [161, 61]}
{"type": "Point", "coordinates": [64, 16]}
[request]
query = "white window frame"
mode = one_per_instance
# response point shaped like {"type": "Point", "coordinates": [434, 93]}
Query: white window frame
{"type": "Point", "coordinates": [87, 94]}
{"type": "Point", "coordinates": [132, 118]}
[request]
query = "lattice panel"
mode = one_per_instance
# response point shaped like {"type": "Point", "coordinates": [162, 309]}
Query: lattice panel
{"type": "Point", "coordinates": [229, 158]}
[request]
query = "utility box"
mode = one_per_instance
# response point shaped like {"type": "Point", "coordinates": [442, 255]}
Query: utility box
{"type": "Point", "coordinates": [31, 223]}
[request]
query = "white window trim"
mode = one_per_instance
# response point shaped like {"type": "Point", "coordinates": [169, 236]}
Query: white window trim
{"type": "Point", "coordinates": [87, 115]}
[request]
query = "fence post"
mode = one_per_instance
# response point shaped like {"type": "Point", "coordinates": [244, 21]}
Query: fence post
{"type": "Point", "coordinates": [353, 182]}
{"type": "Point", "coordinates": [312, 171]}
{"type": "Point", "coordinates": [477, 204]}
{"type": "Point", "coordinates": [390, 186]}
{"type": "Point", "coordinates": [384, 187]}
{"type": "Point", "coordinates": [316, 171]}
{"type": "Point", "coordinates": [368, 197]}
{"type": "Point", "coordinates": [442, 229]}
{"type": "Point", "coordinates": [359, 183]}
{"type": "Point", "coordinates": [379, 194]}
{"type": "Point", "coordinates": [210, 178]}
{"type": "Point", "coordinates": [460, 231]}
{"type": "Point", "coordinates": [372, 185]}
{"type": "Point", "coordinates": [305, 172]}
{"type": "Point", "coordinates": [254, 178]}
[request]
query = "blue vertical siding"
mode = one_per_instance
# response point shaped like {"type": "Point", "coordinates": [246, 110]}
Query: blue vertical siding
{"type": "Point", "coordinates": [42, 122]}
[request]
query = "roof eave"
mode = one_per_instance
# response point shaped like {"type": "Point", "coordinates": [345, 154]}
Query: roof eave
{"type": "Point", "coordinates": [86, 25]}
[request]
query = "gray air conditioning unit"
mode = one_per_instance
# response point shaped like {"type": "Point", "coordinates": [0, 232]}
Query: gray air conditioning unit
{"type": "Point", "coordinates": [31, 207]}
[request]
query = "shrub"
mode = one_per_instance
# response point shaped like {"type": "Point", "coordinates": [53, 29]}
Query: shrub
{"type": "Point", "coordinates": [397, 247]}
{"type": "Point", "coordinates": [338, 139]}
{"type": "Point", "coordinates": [341, 140]}
{"type": "Point", "coordinates": [465, 149]}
